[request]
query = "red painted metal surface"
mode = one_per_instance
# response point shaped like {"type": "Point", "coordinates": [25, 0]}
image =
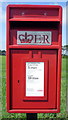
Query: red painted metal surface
{"type": "Point", "coordinates": [33, 18]}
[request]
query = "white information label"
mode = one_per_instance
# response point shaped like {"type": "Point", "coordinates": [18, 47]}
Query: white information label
{"type": "Point", "coordinates": [35, 79]}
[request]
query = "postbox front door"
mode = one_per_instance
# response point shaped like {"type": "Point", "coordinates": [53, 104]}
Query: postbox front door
{"type": "Point", "coordinates": [33, 78]}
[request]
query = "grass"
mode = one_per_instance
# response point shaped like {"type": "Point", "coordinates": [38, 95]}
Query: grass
{"type": "Point", "coordinates": [62, 114]}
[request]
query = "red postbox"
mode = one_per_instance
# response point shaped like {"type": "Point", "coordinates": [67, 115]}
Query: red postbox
{"type": "Point", "coordinates": [33, 58]}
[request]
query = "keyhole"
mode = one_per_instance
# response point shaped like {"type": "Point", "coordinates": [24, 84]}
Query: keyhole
{"type": "Point", "coordinates": [18, 81]}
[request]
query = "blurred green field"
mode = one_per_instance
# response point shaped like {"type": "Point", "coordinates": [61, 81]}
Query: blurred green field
{"type": "Point", "coordinates": [62, 114]}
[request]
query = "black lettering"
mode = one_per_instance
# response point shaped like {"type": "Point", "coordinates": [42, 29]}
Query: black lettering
{"type": "Point", "coordinates": [45, 38]}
